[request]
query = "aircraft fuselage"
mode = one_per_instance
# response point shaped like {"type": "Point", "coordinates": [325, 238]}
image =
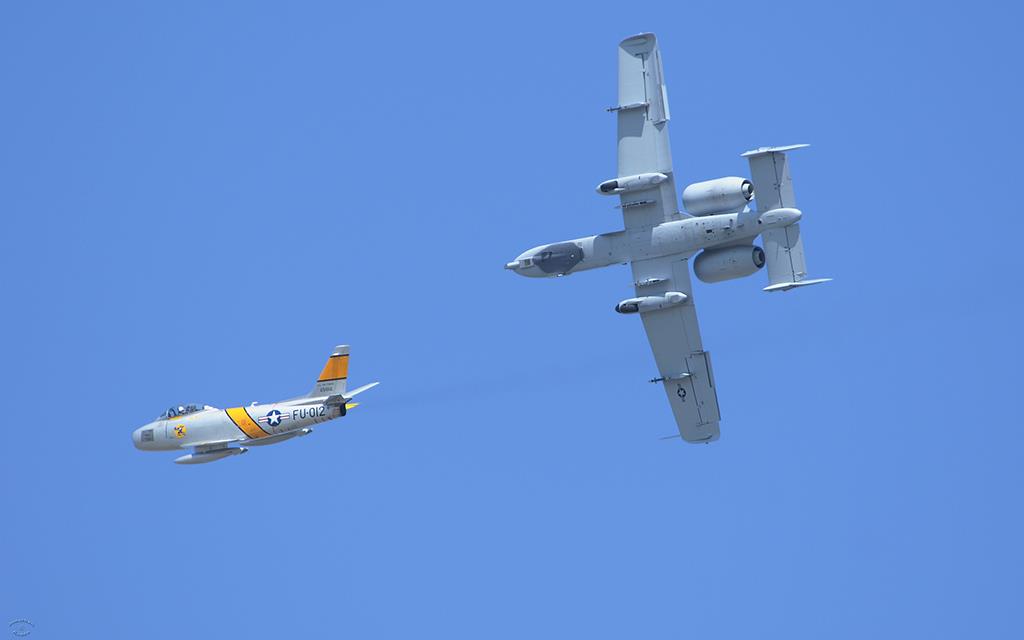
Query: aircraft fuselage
{"type": "Point", "coordinates": [685, 237]}
{"type": "Point", "coordinates": [254, 425]}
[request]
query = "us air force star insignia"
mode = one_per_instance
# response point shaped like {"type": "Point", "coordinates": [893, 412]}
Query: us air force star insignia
{"type": "Point", "coordinates": [681, 392]}
{"type": "Point", "coordinates": [179, 431]}
{"type": "Point", "coordinates": [274, 418]}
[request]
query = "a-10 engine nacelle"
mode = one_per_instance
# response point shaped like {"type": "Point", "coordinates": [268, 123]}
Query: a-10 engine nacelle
{"type": "Point", "coordinates": [716, 265]}
{"type": "Point", "coordinates": [651, 303]}
{"type": "Point", "coordinates": [722, 195]}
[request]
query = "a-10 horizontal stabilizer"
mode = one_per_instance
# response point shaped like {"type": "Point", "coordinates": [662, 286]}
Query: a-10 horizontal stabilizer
{"type": "Point", "coordinates": [773, 189]}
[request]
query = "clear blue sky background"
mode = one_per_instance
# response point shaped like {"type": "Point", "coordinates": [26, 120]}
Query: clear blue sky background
{"type": "Point", "coordinates": [200, 200]}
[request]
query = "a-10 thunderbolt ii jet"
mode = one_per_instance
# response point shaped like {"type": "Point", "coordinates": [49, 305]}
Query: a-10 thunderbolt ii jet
{"type": "Point", "coordinates": [210, 432]}
{"type": "Point", "coordinates": [659, 240]}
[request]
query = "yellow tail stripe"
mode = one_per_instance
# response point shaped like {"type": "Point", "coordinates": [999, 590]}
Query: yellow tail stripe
{"type": "Point", "coordinates": [335, 369]}
{"type": "Point", "coordinates": [241, 418]}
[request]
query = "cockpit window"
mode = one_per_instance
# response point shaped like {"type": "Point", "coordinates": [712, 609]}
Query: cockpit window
{"type": "Point", "coordinates": [558, 258]}
{"type": "Point", "coordinates": [181, 410]}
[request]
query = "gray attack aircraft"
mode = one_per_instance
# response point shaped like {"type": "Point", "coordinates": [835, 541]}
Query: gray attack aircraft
{"type": "Point", "coordinates": [659, 240]}
{"type": "Point", "coordinates": [210, 432]}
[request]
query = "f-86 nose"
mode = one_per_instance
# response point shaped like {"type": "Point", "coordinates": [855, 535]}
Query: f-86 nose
{"type": "Point", "coordinates": [144, 438]}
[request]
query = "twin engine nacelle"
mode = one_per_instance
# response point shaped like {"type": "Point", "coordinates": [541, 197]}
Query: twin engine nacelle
{"type": "Point", "coordinates": [651, 303]}
{"type": "Point", "coordinates": [716, 265]}
{"type": "Point", "coordinates": [722, 195]}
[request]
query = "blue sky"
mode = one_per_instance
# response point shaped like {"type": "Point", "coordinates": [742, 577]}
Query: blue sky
{"type": "Point", "coordinates": [199, 200]}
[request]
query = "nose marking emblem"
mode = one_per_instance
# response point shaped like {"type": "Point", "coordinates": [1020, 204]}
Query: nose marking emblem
{"type": "Point", "coordinates": [180, 431]}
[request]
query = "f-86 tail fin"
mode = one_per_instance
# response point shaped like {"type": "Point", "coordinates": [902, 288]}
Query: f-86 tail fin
{"type": "Point", "coordinates": [333, 382]}
{"type": "Point", "coordinates": [773, 189]}
{"type": "Point", "coordinates": [334, 377]}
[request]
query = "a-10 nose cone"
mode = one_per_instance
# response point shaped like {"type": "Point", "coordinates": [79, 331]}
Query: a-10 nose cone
{"type": "Point", "coordinates": [549, 260]}
{"type": "Point", "coordinates": [523, 265]}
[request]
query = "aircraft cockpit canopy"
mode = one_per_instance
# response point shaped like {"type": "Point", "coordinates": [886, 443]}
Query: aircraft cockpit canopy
{"type": "Point", "coordinates": [181, 410]}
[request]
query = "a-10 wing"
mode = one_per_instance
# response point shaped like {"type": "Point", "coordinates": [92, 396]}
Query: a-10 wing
{"type": "Point", "coordinates": [643, 145]}
{"type": "Point", "coordinates": [684, 368]}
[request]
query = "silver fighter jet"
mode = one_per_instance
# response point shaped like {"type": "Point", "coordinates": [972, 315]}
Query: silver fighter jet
{"type": "Point", "coordinates": [210, 432]}
{"type": "Point", "coordinates": [659, 240]}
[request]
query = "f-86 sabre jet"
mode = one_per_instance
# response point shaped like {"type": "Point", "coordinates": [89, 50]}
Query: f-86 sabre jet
{"type": "Point", "coordinates": [210, 432]}
{"type": "Point", "coordinates": [659, 240]}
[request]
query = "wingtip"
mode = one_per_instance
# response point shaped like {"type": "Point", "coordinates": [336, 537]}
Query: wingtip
{"type": "Point", "coordinates": [760, 151]}
{"type": "Point", "coordinates": [787, 286]}
{"type": "Point", "coordinates": [640, 40]}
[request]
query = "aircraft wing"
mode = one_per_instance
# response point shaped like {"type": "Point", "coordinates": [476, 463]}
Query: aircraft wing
{"type": "Point", "coordinates": [684, 368]}
{"type": "Point", "coordinates": [213, 445]}
{"type": "Point", "coordinates": [643, 145]}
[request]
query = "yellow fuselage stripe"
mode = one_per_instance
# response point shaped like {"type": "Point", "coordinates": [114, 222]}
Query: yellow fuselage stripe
{"type": "Point", "coordinates": [241, 418]}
